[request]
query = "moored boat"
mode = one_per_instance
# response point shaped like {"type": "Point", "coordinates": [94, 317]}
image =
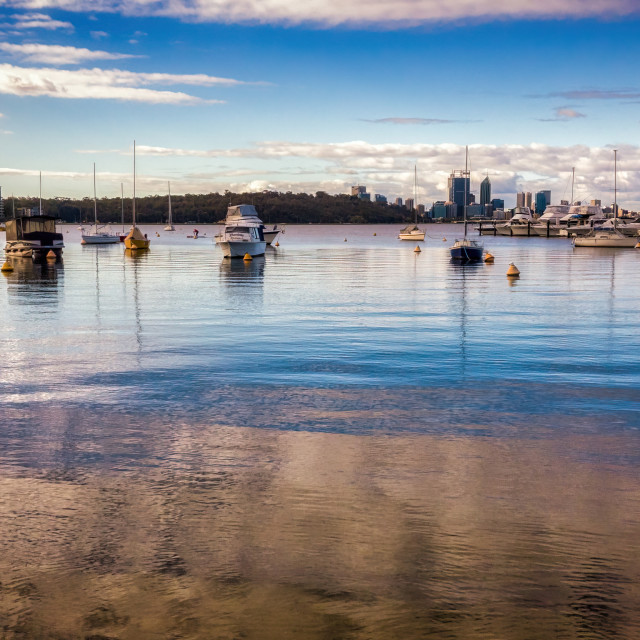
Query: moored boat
{"type": "Point", "coordinates": [412, 231]}
{"type": "Point", "coordinates": [242, 233]}
{"type": "Point", "coordinates": [98, 234]}
{"type": "Point", "coordinates": [33, 237]}
{"type": "Point", "coordinates": [135, 239]}
{"type": "Point", "coordinates": [520, 224]}
{"type": "Point", "coordinates": [271, 234]}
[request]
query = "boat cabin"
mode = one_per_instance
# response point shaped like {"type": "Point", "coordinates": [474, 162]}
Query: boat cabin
{"type": "Point", "coordinates": [33, 228]}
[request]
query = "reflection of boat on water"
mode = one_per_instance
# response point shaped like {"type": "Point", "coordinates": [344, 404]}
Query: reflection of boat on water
{"type": "Point", "coordinates": [33, 237]}
{"type": "Point", "coordinates": [242, 233]}
{"type": "Point", "coordinates": [98, 234]}
{"type": "Point", "coordinates": [243, 270]}
{"type": "Point", "coordinates": [34, 283]}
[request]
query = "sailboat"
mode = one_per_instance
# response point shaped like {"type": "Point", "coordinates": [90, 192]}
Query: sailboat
{"type": "Point", "coordinates": [135, 240]}
{"type": "Point", "coordinates": [99, 234]}
{"type": "Point", "coordinates": [169, 226]}
{"type": "Point", "coordinates": [466, 250]}
{"type": "Point", "coordinates": [412, 232]}
{"type": "Point", "coordinates": [608, 235]}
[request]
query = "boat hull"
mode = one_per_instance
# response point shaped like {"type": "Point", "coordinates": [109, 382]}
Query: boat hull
{"type": "Point", "coordinates": [33, 250]}
{"type": "Point", "coordinates": [136, 240]}
{"type": "Point", "coordinates": [270, 236]}
{"type": "Point", "coordinates": [466, 254]}
{"type": "Point", "coordinates": [617, 241]}
{"type": "Point", "coordinates": [100, 239]}
{"type": "Point", "coordinates": [240, 249]}
{"type": "Point", "coordinates": [416, 237]}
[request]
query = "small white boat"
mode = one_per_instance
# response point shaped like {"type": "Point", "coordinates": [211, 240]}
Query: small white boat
{"type": "Point", "coordinates": [608, 235]}
{"type": "Point", "coordinates": [412, 231]}
{"type": "Point", "coordinates": [271, 234]}
{"type": "Point", "coordinates": [98, 234]}
{"type": "Point", "coordinates": [242, 233]}
{"type": "Point", "coordinates": [549, 224]}
{"type": "Point", "coordinates": [169, 226]}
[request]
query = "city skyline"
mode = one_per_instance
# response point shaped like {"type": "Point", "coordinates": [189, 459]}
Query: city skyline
{"type": "Point", "coordinates": [288, 98]}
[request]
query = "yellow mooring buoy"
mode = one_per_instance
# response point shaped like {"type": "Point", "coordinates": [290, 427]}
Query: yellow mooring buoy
{"type": "Point", "coordinates": [51, 255]}
{"type": "Point", "coordinates": [638, 245]}
{"type": "Point", "coordinates": [345, 239]}
{"type": "Point", "coordinates": [417, 249]}
{"type": "Point", "coordinates": [247, 257]}
{"type": "Point", "coordinates": [512, 271]}
{"type": "Point", "coordinates": [444, 239]}
{"type": "Point", "coordinates": [488, 257]}
{"type": "Point", "coordinates": [375, 234]}
{"type": "Point", "coordinates": [6, 267]}
{"type": "Point", "coordinates": [277, 244]}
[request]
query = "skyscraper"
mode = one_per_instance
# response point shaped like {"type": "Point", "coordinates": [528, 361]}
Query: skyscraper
{"type": "Point", "coordinates": [458, 189]}
{"type": "Point", "coordinates": [528, 200]}
{"type": "Point", "coordinates": [520, 199]}
{"type": "Point", "coordinates": [485, 192]}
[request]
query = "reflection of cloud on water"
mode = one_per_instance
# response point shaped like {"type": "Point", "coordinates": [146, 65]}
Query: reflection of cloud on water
{"type": "Point", "coordinates": [269, 534]}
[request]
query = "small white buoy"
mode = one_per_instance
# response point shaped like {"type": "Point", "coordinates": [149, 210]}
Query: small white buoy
{"type": "Point", "coordinates": [417, 249]}
{"type": "Point", "coordinates": [513, 271]}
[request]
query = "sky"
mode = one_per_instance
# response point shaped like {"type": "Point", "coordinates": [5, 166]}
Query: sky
{"type": "Point", "coordinates": [247, 95]}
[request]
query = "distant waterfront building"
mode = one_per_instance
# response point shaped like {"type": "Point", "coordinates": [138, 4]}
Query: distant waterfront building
{"type": "Point", "coordinates": [420, 209]}
{"type": "Point", "coordinates": [474, 210]}
{"type": "Point", "coordinates": [459, 188]}
{"type": "Point", "coordinates": [547, 196]}
{"type": "Point", "coordinates": [528, 200]}
{"type": "Point", "coordinates": [398, 202]}
{"type": "Point", "coordinates": [497, 203]}
{"type": "Point", "coordinates": [597, 203]}
{"type": "Point", "coordinates": [564, 202]}
{"type": "Point", "coordinates": [380, 199]}
{"type": "Point", "coordinates": [541, 202]}
{"type": "Point", "coordinates": [520, 196]}
{"type": "Point", "coordinates": [408, 203]}
{"type": "Point", "coordinates": [485, 192]}
{"type": "Point", "coordinates": [441, 209]}
{"type": "Point", "coordinates": [1, 205]}
{"type": "Point", "coordinates": [360, 191]}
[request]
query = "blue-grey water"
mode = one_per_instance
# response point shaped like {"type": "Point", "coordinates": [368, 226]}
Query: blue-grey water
{"type": "Point", "coordinates": [344, 439]}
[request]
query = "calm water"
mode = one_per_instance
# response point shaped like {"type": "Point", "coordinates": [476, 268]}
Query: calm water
{"type": "Point", "coordinates": [338, 440]}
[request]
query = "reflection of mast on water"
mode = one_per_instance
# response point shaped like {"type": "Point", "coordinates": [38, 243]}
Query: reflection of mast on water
{"type": "Point", "coordinates": [134, 258]}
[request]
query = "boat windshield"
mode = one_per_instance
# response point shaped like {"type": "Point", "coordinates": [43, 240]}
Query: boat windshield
{"type": "Point", "coordinates": [238, 229]}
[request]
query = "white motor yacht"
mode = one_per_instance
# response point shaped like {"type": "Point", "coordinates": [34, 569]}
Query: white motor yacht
{"type": "Point", "coordinates": [520, 224]}
{"type": "Point", "coordinates": [242, 233]}
{"type": "Point", "coordinates": [549, 223]}
{"type": "Point", "coordinates": [581, 219]}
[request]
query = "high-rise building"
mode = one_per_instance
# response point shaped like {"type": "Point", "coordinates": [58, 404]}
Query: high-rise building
{"type": "Point", "coordinates": [528, 200]}
{"type": "Point", "coordinates": [485, 192]}
{"type": "Point", "coordinates": [541, 201]}
{"type": "Point", "coordinates": [398, 202]}
{"type": "Point", "coordinates": [379, 198]}
{"type": "Point", "coordinates": [356, 190]}
{"type": "Point", "coordinates": [497, 203]}
{"type": "Point", "coordinates": [459, 190]}
{"type": "Point", "coordinates": [520, 196]}
{"type": "Point", "coordinates": [1, 205]}
{"type": "Point", "coordinates": [408, 203]}
{"type": "Point", "coordinates": [547, 196]}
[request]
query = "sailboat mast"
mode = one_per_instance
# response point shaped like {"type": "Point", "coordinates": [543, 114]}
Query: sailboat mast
{"type": "Point", "coordinates": [573, 177]}
{"type": "Point", "coordinates": [415, 194]}
{"type": "Point", "coordinates": [41, 193]}
{"type": "Point", "coordinates": [615, 184]}
{"type": "Point", "coordinates": [466, 186]}
{"type": "Point", "coordinates": [95, 202]}
{"type": "Point", "coordinates": [122, 204]}
{"type": "Point", "coordinates": [169, 189]}
{"type": "Point", "coordinates": [134, 184]}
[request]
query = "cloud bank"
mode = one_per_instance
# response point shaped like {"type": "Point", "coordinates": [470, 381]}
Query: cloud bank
{"type": "Point", "coordinates": [327, 13]}
{"type": "Point", "coordinates": [104, 84]}
{"type": "Point", "coordinates": [58, 55]}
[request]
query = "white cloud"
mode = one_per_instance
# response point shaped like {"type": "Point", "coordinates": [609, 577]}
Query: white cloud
{"type": "Point", "coordinates": [385, 13]}
{"type": "Point", "coordinates": [104, 84]}
{"type": "Point", "coordinates": [388, 168]}
{"type": "Point", "coordinates": [96, 35]}
{"type": "Point", "coordinates": [28, 21]}
{"type": "Point", "coordinates": [58, 55]}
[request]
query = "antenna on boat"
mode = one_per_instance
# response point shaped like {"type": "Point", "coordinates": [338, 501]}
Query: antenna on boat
{"type": "Point", "coordinates": [615, 184]}
{"type": "Point", "coordinates": [573, 177]}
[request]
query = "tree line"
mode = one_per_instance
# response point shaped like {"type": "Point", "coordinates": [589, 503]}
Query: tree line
{"type": "Point", "coordinates": [272, 207]}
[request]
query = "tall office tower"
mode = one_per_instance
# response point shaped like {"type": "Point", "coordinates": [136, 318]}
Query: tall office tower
{"type": "Point", "coordinates": [485, 192]}
{"type": "Point", "coordinates": [358, 189]}
{"type": "Point", "coordinates": [408, 203]}
{"type": "Point", "coordinates": [458, 188]}
{"type": "Point", "coordinates": [547, 197]}
{"type": "Point", "coordinates": [398, 202]}
{"type": "Point", "coordinates": [520, 199]}
{"type": "Point", "coordinates": [528, 200]}
{"type": "Point", "coordinates": [1, 205]}
{"type": "Point", "coordinates": [541, 201]}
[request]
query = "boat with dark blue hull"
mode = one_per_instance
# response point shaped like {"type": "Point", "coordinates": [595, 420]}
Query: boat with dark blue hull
{"type": "Point", "coordinates": [466, 250]}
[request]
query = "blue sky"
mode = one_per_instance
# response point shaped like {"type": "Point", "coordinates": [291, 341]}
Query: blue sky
{"type": "Point", "coordinates": [278, 95]}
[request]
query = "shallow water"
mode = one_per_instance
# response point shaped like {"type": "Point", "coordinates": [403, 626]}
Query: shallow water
{"type": "Point", "coordinates": [343, 439]}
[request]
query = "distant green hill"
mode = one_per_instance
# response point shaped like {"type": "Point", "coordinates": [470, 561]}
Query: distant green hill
{"type": "Point", "coordinates": [301, 208]}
